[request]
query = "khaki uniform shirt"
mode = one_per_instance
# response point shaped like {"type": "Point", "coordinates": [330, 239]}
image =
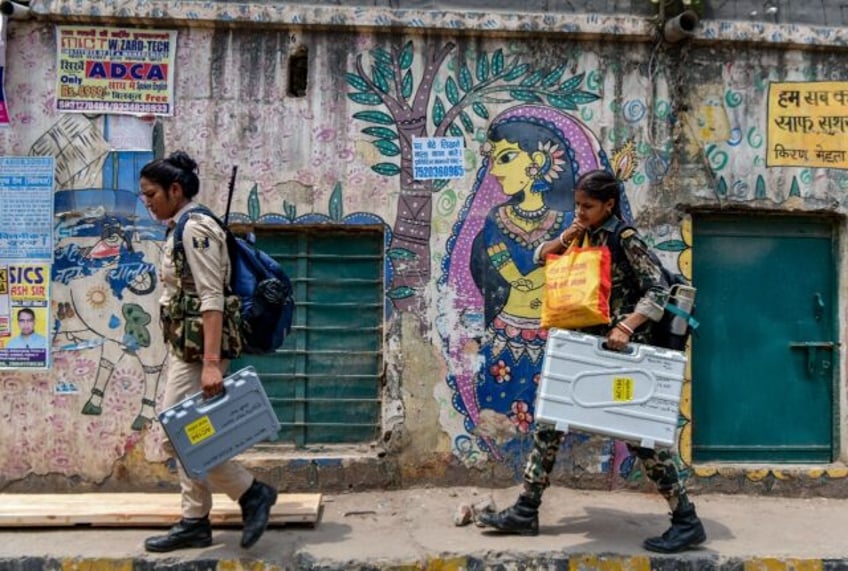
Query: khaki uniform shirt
{"type": "Point", "coordinates": [205, 245]}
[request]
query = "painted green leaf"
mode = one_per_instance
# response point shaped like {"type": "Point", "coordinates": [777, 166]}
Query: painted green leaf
{"type": "Point", "coordinates": [335, 207]}
{"type": "Point", "coordinates": [482, 67]}
{"type": "Point", "coordinates": [136, 320]}
{"type": "Point", "coordinates": [580, 97]}
{"type": "Point", "coordinates": [553, 76]}
{"type": "Point", "coordinates": [402, 292]}
{"type": "Point", "coordinates": [253, 209]}
{"type": "Point", "coordinates": [357, 82]}
{"type": "Point", "coordinates": [760, 191]}
{"type": "Point", "coordinates": [516, 72]}
{"type": "Point", "coordinates": [379, 79]}
{"type": "Point", "coordinates": [451, 91]}
{"type": "Point", "coordinates": [386, 148]}
{"type": "Point", "coordinates": [365, 98]}
{"type": "Point", "coordinates": [532, 79]}
{"type": "Point", "coordinates": [467, 122]}
{"type": "Point", "coordinates": [454, 130]}
{"type": "Point", "coordinates": [380, 132]}
{"type": "Point", "coordinates": [721, 190]}
{"type": "Point", "coordinates": [524, 95]}
{"type": "Point", "coordinates": [572, 83]}
{"type": "Point", "coordinates": [465, 81]}
{"type": "Point", "coordinates": [386, 169]}
{"type": "Point", "coordinates": [375, 117]}
{"type": "Point", "coordinates": [498, 62]}
{"type": "Point", "coordinates": [440, 184]}
{"type": "Point", "coordinates": [382, 57]}
{"type": "Point", "coordinates": [795, 190]}
{"type": "Point", "coordinates": [671, 246]}
{"type": "Point", "coordinates": [290, 210]}
{"type": "Point", "coordinates": [401, 254]}
{"type": "Point", "coordinates": [406, 85]}
{"type": "Point", "coordinates": [480, 110]}
{"type": "Point", "coordinates": [562, 102]}
{"type": "Point", "coordinates": [406, 54]}
{"type": "Point", "coordinates": [438, 112]}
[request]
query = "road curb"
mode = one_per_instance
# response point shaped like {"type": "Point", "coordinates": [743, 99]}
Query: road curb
{"type": "Point", "coordinates": [502, 561]}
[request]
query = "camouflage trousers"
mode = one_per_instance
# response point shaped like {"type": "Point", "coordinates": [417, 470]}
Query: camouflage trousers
{"type": "Point", "coordinates": [659, 466]}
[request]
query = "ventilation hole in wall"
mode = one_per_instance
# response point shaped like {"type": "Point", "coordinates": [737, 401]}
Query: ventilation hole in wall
{"type": "Point", "coordinates": [298, 72]}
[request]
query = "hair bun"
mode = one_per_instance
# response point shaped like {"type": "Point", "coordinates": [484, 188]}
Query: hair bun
{"type": "Point", "coordinates": [181, 160]}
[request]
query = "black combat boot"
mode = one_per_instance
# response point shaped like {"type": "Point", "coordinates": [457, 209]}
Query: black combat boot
{"type": "Point", "coordinates": [189, 532]}
{"type": "Point", "coordinates": [256, 505]}
{"type": "Point", "coordinates": [686, 531]}
{"type": "Point", "coordinates": [521, 518]}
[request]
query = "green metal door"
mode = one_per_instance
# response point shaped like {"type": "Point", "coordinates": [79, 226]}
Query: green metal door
{"type": "Point", "coordinates": [764, 358]}
{"type": "Point", "coordinates": [324, 382]}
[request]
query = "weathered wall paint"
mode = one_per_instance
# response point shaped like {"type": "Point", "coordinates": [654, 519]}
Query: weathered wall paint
{"type": "Point", "coordinates": [694, 115]}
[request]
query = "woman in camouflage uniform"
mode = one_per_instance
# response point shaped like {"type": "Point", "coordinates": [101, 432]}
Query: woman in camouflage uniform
{"type": "Point", "coordinates": [199, 349]}
{"type": "Point", "coordinates": [637, 302]}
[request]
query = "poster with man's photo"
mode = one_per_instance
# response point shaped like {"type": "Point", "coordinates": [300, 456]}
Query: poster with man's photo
{"type": "Point", "coordinates": [24, 316]}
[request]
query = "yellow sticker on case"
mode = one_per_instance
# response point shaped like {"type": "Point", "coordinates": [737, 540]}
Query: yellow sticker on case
{"type": "Point", "coordinates": [199, 430]}
{"type": "Point", "coordinates": [622, 389]}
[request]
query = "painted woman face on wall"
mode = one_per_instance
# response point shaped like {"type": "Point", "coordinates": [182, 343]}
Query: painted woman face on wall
{"type": "Point", "coordinates": [509, 166]}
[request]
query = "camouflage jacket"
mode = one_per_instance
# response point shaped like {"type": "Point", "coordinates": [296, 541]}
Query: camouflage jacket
{"type": "Point", "coordinates": [642, 289]}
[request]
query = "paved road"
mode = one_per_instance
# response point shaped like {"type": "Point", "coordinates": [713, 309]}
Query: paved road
{"type": "Point", "coordinates": [377, 530]}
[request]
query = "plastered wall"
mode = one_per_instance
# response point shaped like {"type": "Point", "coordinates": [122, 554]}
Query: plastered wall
{"type": "Point", "coordinates": [683, 125]}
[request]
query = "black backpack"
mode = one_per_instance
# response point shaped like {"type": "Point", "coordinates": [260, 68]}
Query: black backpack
{"type": "Point", "coordinates": [677, 323]}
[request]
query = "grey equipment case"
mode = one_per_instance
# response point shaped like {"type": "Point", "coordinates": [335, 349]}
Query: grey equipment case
{"type": "Point", "coordinates": [207, 432]}
{"type": "Point", "coordinates": [632, 395]}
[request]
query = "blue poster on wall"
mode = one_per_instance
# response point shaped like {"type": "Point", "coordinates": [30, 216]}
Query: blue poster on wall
{"type": "Point", "coordinates": [26, 208]}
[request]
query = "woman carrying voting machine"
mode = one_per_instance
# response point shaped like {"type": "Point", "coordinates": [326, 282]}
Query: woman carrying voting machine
{"type": "Point", "coordinates": [637, 293]}
{"type": "Point", "coordinates": [200, 345]}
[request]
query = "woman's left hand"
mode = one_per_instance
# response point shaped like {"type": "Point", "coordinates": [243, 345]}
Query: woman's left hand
{"type": "Point", "coordinates": [617, 339]}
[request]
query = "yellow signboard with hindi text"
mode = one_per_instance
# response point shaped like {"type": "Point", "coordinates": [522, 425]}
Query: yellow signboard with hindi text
{"type": "Point", "coordinates": [808, 124]}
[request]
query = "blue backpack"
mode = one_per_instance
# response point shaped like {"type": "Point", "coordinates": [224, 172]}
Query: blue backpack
{"type": "Point", "coordinates": [267, 303]}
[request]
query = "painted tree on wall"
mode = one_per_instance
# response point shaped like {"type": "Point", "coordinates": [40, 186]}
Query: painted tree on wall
{"type": "Point", "coordinates": [404, 110]}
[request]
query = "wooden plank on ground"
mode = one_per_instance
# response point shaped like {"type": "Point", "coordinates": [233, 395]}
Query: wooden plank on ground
{"type": "Point", "coordinates": [138, 510]}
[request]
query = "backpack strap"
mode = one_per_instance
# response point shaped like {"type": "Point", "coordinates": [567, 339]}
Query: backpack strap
{"type": "Point", "coordinates": [179, 257]}
{"type": "Point", "coordinates": [617, 252]}
{"type": "Point", "coordinates": [688, 317]}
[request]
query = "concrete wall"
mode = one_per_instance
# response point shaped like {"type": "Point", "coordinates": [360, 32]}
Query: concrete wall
{"type": "Point", "coordinates": [675, 121]}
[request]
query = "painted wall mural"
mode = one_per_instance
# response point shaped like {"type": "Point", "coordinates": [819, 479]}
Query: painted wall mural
{"type": "Point", "coordinates": [406, 107]}
{"type": "Point", "coordinates": [489, 279]}
{"type": "Point", "coordinates": [527, 157]}
{"type": "Point", "coordinates": [457, 251]}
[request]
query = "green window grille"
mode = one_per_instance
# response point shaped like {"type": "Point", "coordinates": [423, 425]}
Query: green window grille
{"type": "Point", "coordinates": [324, 382]}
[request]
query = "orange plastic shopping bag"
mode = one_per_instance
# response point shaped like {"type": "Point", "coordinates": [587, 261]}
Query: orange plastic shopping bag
{"type": "Point", "coordinates": [577, 288]}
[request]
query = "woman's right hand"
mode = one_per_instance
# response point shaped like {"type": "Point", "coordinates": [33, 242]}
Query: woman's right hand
{"type": "Point", "coordinates": [573, 232]}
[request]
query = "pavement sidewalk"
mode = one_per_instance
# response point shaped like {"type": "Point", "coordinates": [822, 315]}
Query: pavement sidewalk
{"type": "Point", "coordinates": [414, 529]}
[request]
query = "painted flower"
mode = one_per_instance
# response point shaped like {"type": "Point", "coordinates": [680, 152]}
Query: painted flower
{"type": "Point", "coordinates": [521, 416]}
{"type": "Point", "coordinates": [486, 149]}
{"type": "Point", "coordinates": [501, 372]}
{"type": "Point", "coordinates": [84, 368]}
{"type": "Point", "coordinates": [554, 160]}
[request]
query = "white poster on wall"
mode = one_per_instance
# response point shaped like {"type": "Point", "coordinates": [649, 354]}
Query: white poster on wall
{"type": "Point", "coordinates": [438, 158]}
